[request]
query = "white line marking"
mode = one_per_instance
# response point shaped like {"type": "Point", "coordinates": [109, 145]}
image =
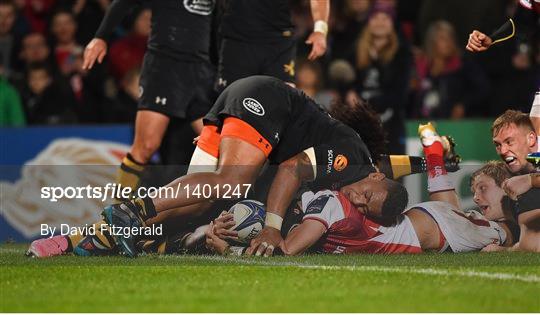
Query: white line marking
{"type": "Point", "coordinates": [425, 271]}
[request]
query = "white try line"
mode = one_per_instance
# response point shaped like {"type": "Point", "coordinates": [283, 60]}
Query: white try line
{"type": "Point", "coordinates": [417, 270]}
{"type": "Point", "coordinates": [425, 271]}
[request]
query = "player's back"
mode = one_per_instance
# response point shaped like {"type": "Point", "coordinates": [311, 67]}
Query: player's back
{"type": "Point", "coordinates": [181, 29]}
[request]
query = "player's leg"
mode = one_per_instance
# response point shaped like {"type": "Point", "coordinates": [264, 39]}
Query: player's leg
{"type": "Point", "coordinates": [236, 61]}
{"type": "Point", "coordinates": [242, 153]}
{"type": "Point", "coordinates": [440, 185]}
{"type": "Point", "coordinates": [150, 128]}
{"type": "Point", "coordinates": [279, 60]}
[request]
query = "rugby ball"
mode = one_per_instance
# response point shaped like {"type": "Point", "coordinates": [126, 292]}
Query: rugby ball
{"type": "Point", "coordinates": [249, 217]}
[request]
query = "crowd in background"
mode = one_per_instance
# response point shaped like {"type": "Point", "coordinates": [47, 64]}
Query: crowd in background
{"type": "Point", "coordinates": [407, 58]}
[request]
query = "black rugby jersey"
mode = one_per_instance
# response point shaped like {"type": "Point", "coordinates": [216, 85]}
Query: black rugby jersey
{"type": "Point", "coordinates": [256, 20]}
{"type": "Point", "coordinates": [180, 28]}
{"type": "Point", "coordinates": [292, 122]}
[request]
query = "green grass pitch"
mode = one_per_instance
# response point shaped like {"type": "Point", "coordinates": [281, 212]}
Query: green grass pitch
{"type": "Point", "coordinates": [485, 282]}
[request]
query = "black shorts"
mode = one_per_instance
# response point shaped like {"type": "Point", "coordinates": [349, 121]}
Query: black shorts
{"type": "Point", "coordinates": [176, 88]}
{"type": "Point", "coordinates": [267, 109]}
{"type": "Point", "coordinates": [239, 59]}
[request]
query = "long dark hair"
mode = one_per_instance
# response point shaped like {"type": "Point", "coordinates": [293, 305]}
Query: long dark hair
{"type": "Point", "coordinates": [361, 117]}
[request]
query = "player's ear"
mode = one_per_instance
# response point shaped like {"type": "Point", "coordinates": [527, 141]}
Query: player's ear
{"type": "Point", "coordinates": [531, 139]}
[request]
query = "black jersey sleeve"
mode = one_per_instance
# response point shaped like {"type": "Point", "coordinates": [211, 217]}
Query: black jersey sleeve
{"type": "Point", "coordinates": [340, 163]}
{"type": "Point", "coordinates": [114, 15]}
{"type": "Point", "coordinates": [528, 201]}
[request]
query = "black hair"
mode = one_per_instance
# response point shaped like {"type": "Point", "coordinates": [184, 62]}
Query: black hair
{"type": "Point", "coordinates": [396, 200]}
{"type": "Point", "coordinates": [366, 122]}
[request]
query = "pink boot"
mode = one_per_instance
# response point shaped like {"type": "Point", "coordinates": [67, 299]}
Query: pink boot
{"type": "Point", "coordinates": [48, 247]}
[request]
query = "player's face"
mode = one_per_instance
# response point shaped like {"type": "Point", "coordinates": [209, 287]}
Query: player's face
{"type": "Point", "coordinates": [368, 194]}
{"type": "Point", "coordinates": [488, 195]}
{"type": "Point", "coordinates": [513, 143]}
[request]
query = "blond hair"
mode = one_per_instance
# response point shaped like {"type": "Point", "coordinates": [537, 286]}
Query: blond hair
{"type": "Point", "coordinates": [365, 41]}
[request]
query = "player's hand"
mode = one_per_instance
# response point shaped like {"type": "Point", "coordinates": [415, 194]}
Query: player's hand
{"type": "Point", "coordinates": [265, 243]}
{"type": "Point", "coordinates": [493, 248]}
{"type": "Point", "coordinates": [318, 40]}
{"type": "Point", "coordinates": [222, 225]}
{"type": "Point", "coordinates": [95, 50]}
{"type": "Point", "coordinates": [196, 140]}
{"type": "Point", "coordinates": [213, 242]}
{"type": "Point", "coordinates": [517, 185]}
{"type": "Point", "coordinates": [478, 42]}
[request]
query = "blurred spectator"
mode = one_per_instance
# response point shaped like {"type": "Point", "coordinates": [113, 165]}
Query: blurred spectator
{"type": "Point", "coordinates": [11, 111]}
{"type": "Point", "coordinates": [63, 29]}
{"type": "Point", "coordinates": [349, 19]}
{"type": "Point", "coordinates": [383, 64]}
{"type": "Point", "coordinates": [47, 100]}
{"type": "Point", "coordinates": [309, 80]}
{"type": "Point", "coordinates": [87, 86]}
{"type": "Point", "coordinates": [124, 108]}
{"type": "Point", "coordinates": [9, 38]}
{"type": "Point", "coordinates": [447, 84]}
{"type": "Point", "coordinates": [37, 13]}
{"type": "Point", "coordinates": [34, 49]}
{"type": "Point", "coordinates": [128, 52]}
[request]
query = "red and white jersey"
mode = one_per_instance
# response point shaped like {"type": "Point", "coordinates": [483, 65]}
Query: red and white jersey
{"type": "Point", "coordinates": [464, 232]}
{"type": "Point", "coordinates": [531, 5]}
{"type": "Point", "coordinates": [349, 231]}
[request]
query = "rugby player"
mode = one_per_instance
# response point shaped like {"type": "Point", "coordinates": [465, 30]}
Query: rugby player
{"type": "Point", "coordinates": [176, 79]}
{"type": "Point", "coordinates": [340, 222]}
{"type": "Point", "coordinates": [526, 21]}
{"type": "Point", "coordinates": [515, 136]}
{"type": "Point", "coordinates": [257, 119]}
{"type": "Point", "coordinates": [257, 38]}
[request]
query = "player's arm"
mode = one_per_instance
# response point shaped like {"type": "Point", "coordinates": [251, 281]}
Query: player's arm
{"type": "Point", "coordinates": [521, 24]}
{"type": "Point", "coordinates": [320, 10]}
{"type": "Point", "coordinates": [97, 48]}
{"type": "Point", "coordinates": [302, 237]}
{"type": "Point", "coordinates": [289, 177]}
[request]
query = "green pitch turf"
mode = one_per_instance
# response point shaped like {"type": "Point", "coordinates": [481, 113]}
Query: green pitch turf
{"type": "Point", "coordinates": [494, 282]}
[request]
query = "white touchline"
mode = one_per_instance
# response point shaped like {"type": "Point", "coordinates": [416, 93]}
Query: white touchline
{"type": "Point", "coordinates": [426, 271]}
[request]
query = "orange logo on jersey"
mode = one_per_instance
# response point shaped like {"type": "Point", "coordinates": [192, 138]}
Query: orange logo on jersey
{"type": "Point", "coordinates": [340, 163]}
{"type": "Point", "coordinates": [289, 68]}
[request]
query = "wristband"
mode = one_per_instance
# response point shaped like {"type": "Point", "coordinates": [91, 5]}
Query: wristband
{"type": "Point", "coordinates": [321, 27]}
{"type": "Point", "coordinates": [273, 220]}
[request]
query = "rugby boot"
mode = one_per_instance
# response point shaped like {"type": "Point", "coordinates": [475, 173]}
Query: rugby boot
{"type": "Point", "coordinates": [49, 247]}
